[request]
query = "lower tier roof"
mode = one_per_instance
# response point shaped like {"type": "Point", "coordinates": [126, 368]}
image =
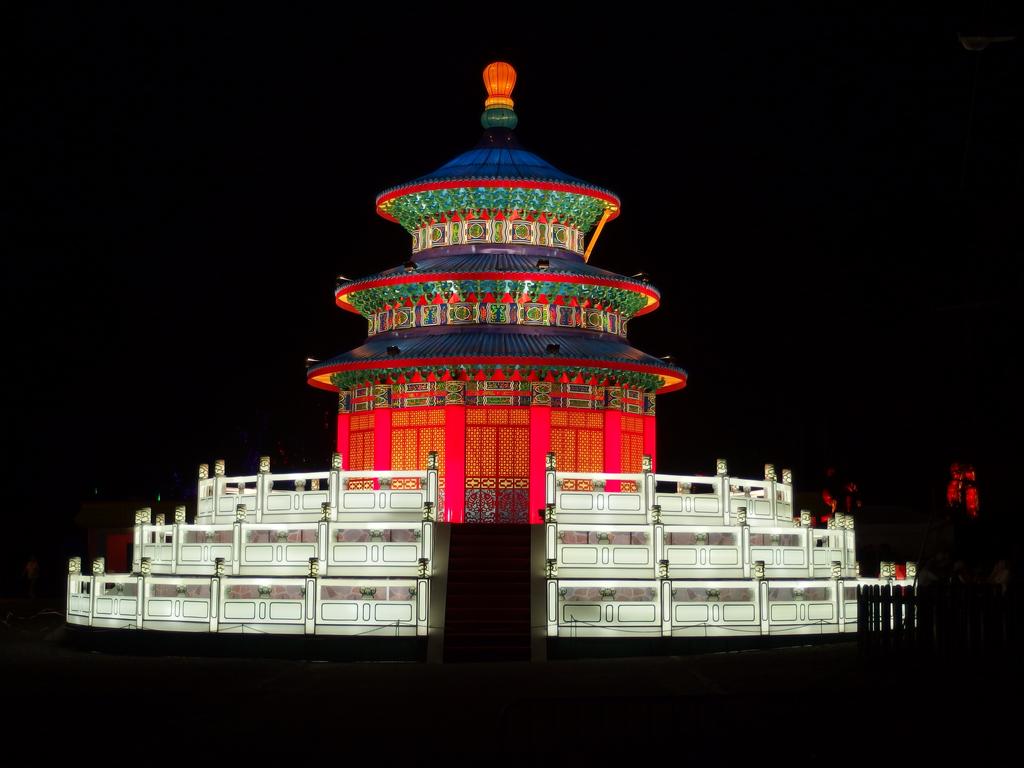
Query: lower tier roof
{"type": "Point", "coordinates": [472, 348]}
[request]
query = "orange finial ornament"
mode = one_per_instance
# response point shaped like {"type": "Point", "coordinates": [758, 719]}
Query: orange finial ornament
{"type": "Point", "coordinates": [499, 80]}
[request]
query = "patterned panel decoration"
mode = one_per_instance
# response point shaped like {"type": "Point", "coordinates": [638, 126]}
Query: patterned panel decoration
{"type": "Point", "coordinates": [498, 393]}
{"type": "Point", "coordinates": [592, 319]}
{"type": "Point", "coordinates": [522, 232]}
{"type": "Point", "coordinates": [566, 316]}
{"type": "Point", "coordinates": [649, 403]}
{"type": "Point", "coordinates": [410, 210]}
{"type": "Point", "coordinates": [497, 465]}
{"type": "Point", "coordinates": [462, 313]}
{"type": "Point", "coordinates": [455, 393]}
{"type": "Point", "coordinates": [344, 401]}
{"type": "Point", "coordinates": [476, 231]}
{"type": "Point", "coordinates": [542, 393]}
{"type": "Point", "coordinates": [403, 317]}
{"type": "Point", "coordinates": [613, 398]}
{"type": "Point", "coordinates": [533, 314]}
{"type": "Point", "coordinates": [498, 313]}
{"type": "Point", "coordinates": [632, 444]}
{"type": "Point", "coordinates": [381, 396]}
{"type": "Point", "coordinates": [577, 396]}
{"type": "Point", "coordinates": [362, 399]}
{"type": "Point", "coordinates": [430, 315]}
{"type": "Point", "coordinates": [624, 299]}
{"type": "Point", "coordinates": [577, 438]}
{"type": "Point", "coordinates": [632, 401]}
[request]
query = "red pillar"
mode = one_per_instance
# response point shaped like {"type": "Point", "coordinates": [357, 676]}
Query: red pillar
{"type": "Point", "coordinates": [381, 428]}
{"type": "Point", "coordinates": [454, 464]}
{"type": "Point", "coordinates": [650, 444]}
{"type": "Point", "coordinates": [540, 445]}
{"type": "Point", "coordinates": [344, 444]}
{"type": "Point", "coordinates": [613, 446]}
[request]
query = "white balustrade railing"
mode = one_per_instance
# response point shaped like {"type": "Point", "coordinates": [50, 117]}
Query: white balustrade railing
{"type": "Point", "coordinates": [593, 550]}
{"type": "Point", "coordinates": [595, 497]}
{"type": "Point", "coordinates": [704, 608]}
{"type": "Point", "coordinates": [695, 500]}
{"type": "Point", "coordinates": [368, 494]}
{"type": "Point", "coordinates": [310, 605]}
{"type": "Point", "coordinates": [285, 549]}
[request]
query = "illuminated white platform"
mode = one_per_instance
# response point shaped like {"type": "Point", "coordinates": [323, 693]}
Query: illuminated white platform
{"type": "Point", "coordinates": [355, 553]}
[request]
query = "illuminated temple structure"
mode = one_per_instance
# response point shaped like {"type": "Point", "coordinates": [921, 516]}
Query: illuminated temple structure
{"type": "Point", "coordinates": [498, 342]}
{"type": "Point", "coordinates": [496, 389]}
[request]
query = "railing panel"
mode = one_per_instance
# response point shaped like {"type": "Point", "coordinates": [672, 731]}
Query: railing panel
{"type": "Point", "coordinates": [715, 608]}
{"type": "Point", "coordinates": [608, 608]}
{"type": "Point", "coordinates": [175, 601]}
{"type": "Point", "coordinates": [385, 545]}
{"type": "Point", "coordinates": [201, 545]}
{"type": "Point", "coordinates": [612, 550]}
{"type": "Point", "coordinates": [709, 551]}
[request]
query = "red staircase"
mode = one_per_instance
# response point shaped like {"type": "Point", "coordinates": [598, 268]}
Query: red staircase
{"type": "Point", "coordinates": [487, 615]}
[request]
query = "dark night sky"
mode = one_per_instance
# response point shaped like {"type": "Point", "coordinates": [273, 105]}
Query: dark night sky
{"type": "Point", "coordinates": [186, 187]}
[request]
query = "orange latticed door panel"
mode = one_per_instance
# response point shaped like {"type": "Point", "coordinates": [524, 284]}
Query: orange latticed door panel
{"type": "Point", "coordinates": [414, 434]}
{"type": "Point", "coordinates": [577, 439]}
{"type": "Point", "coordinates": [631, 448]}
{"type": "Point", "coordinates": [360, 450]}
{"type": "Point", "coordinates": [497, 465]}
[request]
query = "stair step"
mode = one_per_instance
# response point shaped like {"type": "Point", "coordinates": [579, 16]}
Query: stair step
{"type": "Point", "coordinates": [487, 615]}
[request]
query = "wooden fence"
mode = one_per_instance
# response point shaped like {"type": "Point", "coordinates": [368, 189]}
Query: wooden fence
{"type": "Point", "coordinates": [940, 619]}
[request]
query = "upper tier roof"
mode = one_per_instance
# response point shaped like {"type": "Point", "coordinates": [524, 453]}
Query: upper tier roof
{"type": "Point", "coordinates": [498, 175]}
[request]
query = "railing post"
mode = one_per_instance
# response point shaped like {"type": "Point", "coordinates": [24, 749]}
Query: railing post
{"type": "Point", "coordinates": [203, 484]}
{"type": "Point", "coordinates": [666, 607]}
{"type": "Point", "coordinates": [99, 568]}
{"type": "Point", "coordinates": [215, 593]}
{"type": "Point", "coordinates": [741, 519]}
{"type": "Point", "coordinates": [659, 534]}
{"type": "Point", "coordinates": [432, 478]}
{"type": "Point", "coordinates": [335, 483]}
{"type": "Point", "coordinates": [422, 607]}
{"type": "Point", "coordinates": [236, 539]}
{"type": "Point", "coordinates": [142, 518]}
{"type": "Point", "coordinates": [549, 478]}
{"type": "Point", "coordinates": [218, 486]}
{"type": "Point", "coordinates": [264, 482]}
{"type": "Point", "coordinates": [840, 612]}
{"type": "Point", "coordinates": [722, 474]}
{"type": "Point", "coordinates": [74, 573]}
{"type": "Point", "coordinates": [323, 543]}
{"type": "Point", "coordinates": [762, 606]}
{"type": "Point", "coordinates": [310, 595]}
{"type": "Point", "coordinates": [427, 544]}
{"type": "Point", "coordinates": [180, 520]}
{"type": "Point", "coordinates": [552, 611]}
{"type": "Point", "coordinates": [649, 482]}
{"type": "Point", "coordinates": [850, 557]}
{"type": "Point", "coordinates": [787, 483]}
{"type": "Point", "coordinates": [805, 523]}
{"type": "Point", "coordinates": [771, 477]}
{"type": "Point", "coordinates": [140, 597]}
